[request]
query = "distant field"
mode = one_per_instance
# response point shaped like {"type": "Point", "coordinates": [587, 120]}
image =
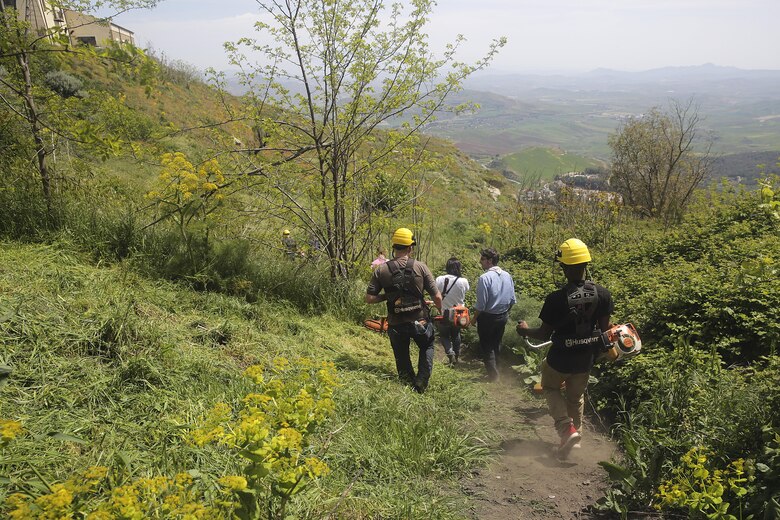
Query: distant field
{"type": "Point", "coordinates": [547, 162]}
{"type": "Point", "coordinates": [739, 111]}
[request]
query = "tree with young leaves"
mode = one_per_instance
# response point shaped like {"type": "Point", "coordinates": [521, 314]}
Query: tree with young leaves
{"type": "Point", "coordinates": [26, 52]}
{"type": "Point", "coordinates": [659, 159]}
{"type": "Point", "coordinates": [338, 70]}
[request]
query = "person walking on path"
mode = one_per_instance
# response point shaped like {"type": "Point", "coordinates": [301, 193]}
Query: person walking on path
{"type": "Point", "coordinates": [453, 288]}
{"type": "Point", "coordinates": [495, 296]}
{"type": "Point", "coordinates": [574, 317]}
{"type": "Point", "coordinates": [404, 281]}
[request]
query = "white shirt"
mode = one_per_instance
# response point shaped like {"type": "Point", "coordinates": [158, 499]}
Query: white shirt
{"type": "Point", "coordinates": [455, 294]}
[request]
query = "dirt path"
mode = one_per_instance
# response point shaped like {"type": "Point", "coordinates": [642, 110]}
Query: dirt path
{"type": "Point", "coordinates": [527, 480]}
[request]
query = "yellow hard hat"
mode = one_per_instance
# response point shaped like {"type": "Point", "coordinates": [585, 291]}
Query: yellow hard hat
{"type": "Point", "coordinates": [286, 232]}
{"type": "Point", "coordinates": [573, 252]}
{"type": "Point", "coordinates": [403, 237]}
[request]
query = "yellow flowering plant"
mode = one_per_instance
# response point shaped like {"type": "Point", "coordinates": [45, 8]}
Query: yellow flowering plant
{"type": "Point", "coordinates": [9, 430]}
{"type": "Point", "coordinates": [87, 495]}
{"type": "Point", "coordinates": [272, 428]}
{"type": "Point", "coordinates": [189, 196]}
{"type": "Point", "coordinates": [700, 489]}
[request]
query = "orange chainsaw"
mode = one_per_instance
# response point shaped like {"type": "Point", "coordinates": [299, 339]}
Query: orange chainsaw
{"type": "Point", "coordinates": [457, 316]}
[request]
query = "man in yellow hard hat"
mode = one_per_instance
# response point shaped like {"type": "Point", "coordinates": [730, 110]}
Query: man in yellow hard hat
{"type": "Point", "coordinates": [573, 317]}
{"type": "Point", "coordinates": [401, 282]}
{"type": "Point", "coordinates": [289, 243]}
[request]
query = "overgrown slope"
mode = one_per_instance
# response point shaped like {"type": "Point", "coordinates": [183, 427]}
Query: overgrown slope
{"type": "Point", "coordinates": [109, 368]}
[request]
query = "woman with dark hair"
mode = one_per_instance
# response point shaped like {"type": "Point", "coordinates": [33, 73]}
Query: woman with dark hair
{"type": "Point", "coordinates": [453, 289]}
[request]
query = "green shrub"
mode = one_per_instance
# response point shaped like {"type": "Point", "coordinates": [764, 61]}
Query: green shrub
{"type": "Point", "coordinates": [64, 84]}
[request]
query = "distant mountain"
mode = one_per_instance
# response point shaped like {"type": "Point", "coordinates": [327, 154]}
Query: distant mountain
{"type": "Point", "coordinates": [701, 79]}
{"type": "Point", "coordinates": [739, 108]}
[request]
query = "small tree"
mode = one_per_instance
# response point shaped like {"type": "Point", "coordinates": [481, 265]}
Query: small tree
{"type": "Point", "coordinates": [339, 70]}
{"type": "Point", "coordinates": [655, 163]}
{"type": "Point", "coordinates": [25, 94]}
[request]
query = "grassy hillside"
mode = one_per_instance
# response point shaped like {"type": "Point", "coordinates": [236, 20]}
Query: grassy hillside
{"type": "Point", "coordinates": [546, 163]}
{"type": "Point", "coordinates": [109, 368]}
{"type": "Point", "coordinates": [121, 334]}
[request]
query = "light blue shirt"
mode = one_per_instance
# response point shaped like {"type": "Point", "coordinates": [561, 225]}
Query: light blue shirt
{"type": "Point", "coordinates": [495, 291]}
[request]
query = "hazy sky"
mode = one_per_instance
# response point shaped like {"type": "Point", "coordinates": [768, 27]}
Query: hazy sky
{"type": "Point", "coordinates": [544, 35]}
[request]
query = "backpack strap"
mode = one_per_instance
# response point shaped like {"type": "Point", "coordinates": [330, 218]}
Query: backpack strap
{"type": "Point", "coordinates": [583, 298]}
{"type": "Point", "coordinates": [446, 282]}
{"type": "Point", "coordinates": [406, 287]}
{"type": "Point", "coordinates": [409, 286]}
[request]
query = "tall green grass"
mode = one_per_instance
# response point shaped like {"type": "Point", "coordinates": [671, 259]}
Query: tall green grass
{"type": "Point", "coordinates": [112, 368]}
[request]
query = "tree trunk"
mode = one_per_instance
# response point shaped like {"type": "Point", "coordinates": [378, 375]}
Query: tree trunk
{"type": "Point", "coordinates": [36, 129]}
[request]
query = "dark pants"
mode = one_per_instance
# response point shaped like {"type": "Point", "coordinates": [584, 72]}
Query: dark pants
{"type": "Point", "coordinates": [490, 328]}
{"type": "Point", "coordinates": [449, 335]}
{"type": "Point", "coordinates": [400, 337]}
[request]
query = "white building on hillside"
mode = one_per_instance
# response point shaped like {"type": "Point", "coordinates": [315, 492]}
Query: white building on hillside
{"type": "Point", "coordinates": [87, 29]}
{"type": "Point", "coordinates": [42, 17]}
{"type": "Point", "coordinates": [81, 28]}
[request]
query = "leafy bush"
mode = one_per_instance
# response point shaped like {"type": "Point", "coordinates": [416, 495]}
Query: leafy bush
{"type": "Point", "coordinates": [712, 281]}
{"type": "Point", "coordinates": [64, 84]}
{"type": "Point", "coordinates": [704, 300]}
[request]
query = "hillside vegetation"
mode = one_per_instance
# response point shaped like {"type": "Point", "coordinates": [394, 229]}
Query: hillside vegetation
{"type": "Point", "coordinates": [544, 163]}
{"type": "Point", "coordinates": [162, 356]}
{"type": "Point", "coordinates": [107, 368]}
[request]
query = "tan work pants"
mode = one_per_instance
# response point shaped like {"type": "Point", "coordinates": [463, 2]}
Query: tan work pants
{"type": "Point", "coordinates": [566, 406]}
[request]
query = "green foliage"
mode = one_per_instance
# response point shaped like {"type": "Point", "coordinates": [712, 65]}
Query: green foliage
{"type": "Point", "coordinates": [656, 164]}
{"type": "Point", "coordinates": [64, 84]}
{"type": "Point", "coordinates": [764, 498]}
{"type": "Point", "coordinates": [696, 487]}
{"type": "Point", "coordinates": [708, 315]}
{"type": "Point", "coordinates": [386, 194]}
{"type": "Point", "coordinates": [273, 429]}
{"type": "Point", "coordinates": [712, 279]}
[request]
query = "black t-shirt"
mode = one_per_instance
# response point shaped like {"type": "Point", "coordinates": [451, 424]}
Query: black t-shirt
{"type": "Point", "coordinates": [555, 313]}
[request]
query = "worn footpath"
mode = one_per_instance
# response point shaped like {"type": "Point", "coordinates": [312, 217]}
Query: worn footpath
{"type": "Point", "coordinates": [527, 480]}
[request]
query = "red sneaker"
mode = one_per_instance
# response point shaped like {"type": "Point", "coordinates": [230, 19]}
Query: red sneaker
{"type": "Point", "coordinates": [568, 439]}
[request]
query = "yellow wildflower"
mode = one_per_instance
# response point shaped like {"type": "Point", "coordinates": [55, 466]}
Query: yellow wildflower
{"type": "Point", "coordinates": [316, 467]}
{"type": "Point", "coordinates": [233, 482]}
{"type": "Point", "coordinates": [255, 373]}
{"type": "Point", "coordinates": [280, 364]}
{"type": "Point", "coordinates": [21, 507]}
{"type": "Point", "coordinates": [59, 499]}
{"type": "Point", "coordinates": [96, 472]}
{"type": "Point", "coordinates": [9, 430]}
{"type": "Point", "coordinates": [183, 480]}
